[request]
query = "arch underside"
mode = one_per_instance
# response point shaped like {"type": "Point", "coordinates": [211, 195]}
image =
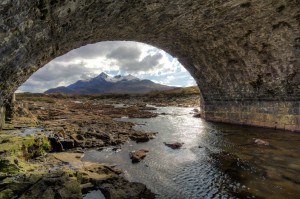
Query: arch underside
{"type": "Point", "coordinates": [244, 55]}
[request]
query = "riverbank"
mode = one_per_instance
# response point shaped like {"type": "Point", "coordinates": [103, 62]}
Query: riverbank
{"type": "Point", "coordinates": [41, 147]}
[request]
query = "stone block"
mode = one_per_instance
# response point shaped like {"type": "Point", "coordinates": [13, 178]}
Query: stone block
{"type": "Point", "coordinates": [292, 127]}
{"type": "Point", "coordinates": [293, 110]}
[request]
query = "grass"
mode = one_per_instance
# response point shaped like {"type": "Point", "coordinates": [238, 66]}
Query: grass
{"type": "Point", "coordinates": [50, 98]}
{"type": "Point", "coordinates": [35, 97]}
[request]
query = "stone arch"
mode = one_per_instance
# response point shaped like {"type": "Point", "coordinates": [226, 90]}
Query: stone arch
{"type": "Point", "coordinates": [244, 55]}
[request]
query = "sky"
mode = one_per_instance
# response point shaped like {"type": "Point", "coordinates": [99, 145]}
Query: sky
{"type": "Point", "coordinates": [114, 58]}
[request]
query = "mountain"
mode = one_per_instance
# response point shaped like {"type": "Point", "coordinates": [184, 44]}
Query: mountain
{"type": "Point", "coordinates": [104, 83]}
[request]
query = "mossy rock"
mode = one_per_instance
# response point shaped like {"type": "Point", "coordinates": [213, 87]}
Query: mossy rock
{"type": "Point", "coordinates": [7, 167]}
{"type": "Point", "coordinates": [6, 194]}
{"type": "Point", "coordinates": [56, 184]}
{"type": "Point", "coordinates": [16, 150]}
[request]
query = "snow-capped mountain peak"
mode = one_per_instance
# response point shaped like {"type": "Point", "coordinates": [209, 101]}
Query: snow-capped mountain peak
{"type": "Point", "coordinates": [130, 78]}
{"type": "Point", "coordinates": [103, 83]}
{"type": "Point", "coordinates": [117, 78]}
{"type": "Point", "coordinates": [102, 75]}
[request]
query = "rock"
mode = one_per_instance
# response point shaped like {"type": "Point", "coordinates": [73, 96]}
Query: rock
{"type": "Point", "coordinates": [176, 145]}
{"type": "Point", "coordinates": [198, 115]}
{"type": "Point", "coordinates": [78, 139]}
{"type": "Point", "coordinates": [142, 137]}
{"type": "Point", "coordinates": [16, 161]}
{"type": "Point", "coordinates": [100, 135]}
{"type": "Point", "coordinates": [7, 167]}
{"type": "Point", "coordinates": [56, 184]}
{"type": "Point", "coordinates": [196, 110]}
{"type": "Point", "coordinates": [67, 144]}
{"type": "Point", "coordinates": [148, 108]}
{"type": "Point", "coordinates": [79, 150]}
{"type": "Point", "coordinates": [120, 188]}
{"type": "Point", "coordinates": [116, 149]}
{"type": "Point", "coordinates": [89, 143]}
{"type": "Point", "coordinates": [237, 168]}
{"type": "Point", "coordinates": [3, 152]}
{"type": "Point", "coordinates": [261, 142]}
{"type": "Point", "coordinates": [4, 141]}
{"type": "Point", "coordinates": [85, 188]}
{"type": "Point", "coordinates": [56, 146]}
{"type": "Point", "coordinates": [137, 156]}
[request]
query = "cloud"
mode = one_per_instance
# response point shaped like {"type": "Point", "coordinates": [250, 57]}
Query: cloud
{"type": "Point", "coordinates": [125, 53]}
{"type": "Point", "coordinates": [112, 57]}
{"type": "Point", "coordinates": [56, 70]}
{"type": "Point", "coordinates": [57, 74]}
{"type": "Point", "coordinates": [148, 63]}
{"type": "Point", "coordinates": [101, 49]}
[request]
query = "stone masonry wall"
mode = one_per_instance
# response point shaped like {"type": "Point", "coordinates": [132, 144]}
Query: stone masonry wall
{"type": "Point", "coordinates": [270, 114]}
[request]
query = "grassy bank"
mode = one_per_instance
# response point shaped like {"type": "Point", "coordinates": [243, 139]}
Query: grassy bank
{"type": "Point", "coordinates": [177, 96]}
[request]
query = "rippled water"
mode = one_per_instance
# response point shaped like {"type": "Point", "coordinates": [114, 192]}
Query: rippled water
{"type": "Point", "coordinates": [216, 161]}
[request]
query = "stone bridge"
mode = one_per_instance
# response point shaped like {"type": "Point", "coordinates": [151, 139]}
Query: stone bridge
{"type": "Point", "coordinates": [243, 54]}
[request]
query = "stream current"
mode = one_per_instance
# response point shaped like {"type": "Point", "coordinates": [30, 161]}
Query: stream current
{"type": "Point", "coordinates": [216, 160]}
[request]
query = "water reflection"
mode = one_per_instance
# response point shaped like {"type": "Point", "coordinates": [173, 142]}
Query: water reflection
{"type": "Point", "coordinates": [216, 161]}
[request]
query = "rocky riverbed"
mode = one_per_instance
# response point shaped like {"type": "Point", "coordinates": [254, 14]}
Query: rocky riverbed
{"type": "Point", "coordinates": [41, 148]}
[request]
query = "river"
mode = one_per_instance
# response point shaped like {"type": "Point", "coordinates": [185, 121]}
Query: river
{"type": "Point", "coordinates": [216, 160]}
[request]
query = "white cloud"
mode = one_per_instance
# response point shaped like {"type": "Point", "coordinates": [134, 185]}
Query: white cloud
{"type": "Point", "coordinates": [120, 57]}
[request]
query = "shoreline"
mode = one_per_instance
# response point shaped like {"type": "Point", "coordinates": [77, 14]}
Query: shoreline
{"type": "Point", "coordinates": [65, 126]}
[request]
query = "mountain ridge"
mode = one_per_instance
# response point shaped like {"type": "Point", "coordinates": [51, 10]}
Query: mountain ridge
{"type": "Point", "coordinates": [103, 83]}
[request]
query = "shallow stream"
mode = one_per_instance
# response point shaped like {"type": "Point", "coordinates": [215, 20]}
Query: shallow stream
{"type": "Point", "coordinates": [216, 161]}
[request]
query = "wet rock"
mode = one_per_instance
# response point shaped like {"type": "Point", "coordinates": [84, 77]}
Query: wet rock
{"type": "Point", "coordinates": [120, 188]}
{"type": "Point", "coordinates": [197, 115]}
{"type": "Point", "coordinates": [261, 142]}
{"type": "Point", "coordinates": [149, 108]}
{"type": "Point", "coordinates": [137, 156]}
{"type": "Point", "coordinates": [116, 149]}
{"type": "Point", "coordinates": [196, 110]}
{"type": "Point", "coordinates": [245, 194]}
{"type": "Point", "coordinates": [176, 145]}
{"type": "Point", "coordinates": [237, 168]}
{"type": "Point", "coordinates": [142, 137]}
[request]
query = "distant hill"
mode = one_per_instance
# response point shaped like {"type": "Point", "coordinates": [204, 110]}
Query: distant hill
{"type": "Point", "coordinates": [104, 83]}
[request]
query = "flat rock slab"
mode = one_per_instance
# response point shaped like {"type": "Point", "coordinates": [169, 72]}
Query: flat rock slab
{"type": "Point", "coordinates": [73, 159]}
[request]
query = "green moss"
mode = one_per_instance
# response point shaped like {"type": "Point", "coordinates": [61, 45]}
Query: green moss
{"type": "Point", "coordinates": [38, 147]}
{"type": "Point", "coordinates": [6, 194]}
{"type": "Point", "coordinates": [46, 145]}
{"type": "Point", "coordinates": [19, 149]}
{"type": "Point", "coordinates": [7, 167]}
